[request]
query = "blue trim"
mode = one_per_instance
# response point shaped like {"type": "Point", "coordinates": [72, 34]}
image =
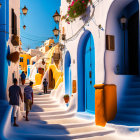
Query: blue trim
{"type": "Point", "coordinates": [81, 69]}
{"type": "Point", "coordinates": [28, 62]}
{"type": "Point", "coordinates": [28, 71]}
{"type": "Point", "coordinates": [68, 81]}
{"type": "Point", "coordinates": [4, 15]}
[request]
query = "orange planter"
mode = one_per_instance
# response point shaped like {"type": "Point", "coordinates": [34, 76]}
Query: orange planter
{"type": "Point", "coordinates": [99, 105]}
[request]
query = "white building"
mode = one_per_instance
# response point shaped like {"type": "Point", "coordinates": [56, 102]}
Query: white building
{"type": "Point", "coordinates": [96, 53]}
{"type": "Point", "coordinates": [34, 52]}
{"type": "Point", "coordinates": [45, 47]}
{"type": "Point", "coordinates": [14, 29]}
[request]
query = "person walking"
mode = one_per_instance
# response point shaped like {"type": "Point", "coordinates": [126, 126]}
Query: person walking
{"type": "Point", "coordinates": [45, 83]}
{"type": "Point", "coordinates": [23, 77]}
{"type": "Point", "coordinates": [28, 98]}
{"type": "Point", "coordinates": [14, 93]}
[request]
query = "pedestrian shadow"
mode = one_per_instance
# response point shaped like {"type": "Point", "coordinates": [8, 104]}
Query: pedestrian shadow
{"type": "Point", "coordinates": [36, 108]}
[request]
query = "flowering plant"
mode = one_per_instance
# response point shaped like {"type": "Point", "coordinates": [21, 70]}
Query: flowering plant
{"type": "Point", "coordinates": [76, 9]}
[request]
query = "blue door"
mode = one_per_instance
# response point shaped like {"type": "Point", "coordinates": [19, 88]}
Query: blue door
{"type": "Point", "coordinates": [90, 76]}
{"type": "Point", "coordinates": [28, 71]}
{"type": "Point", "coordinates": [68, 80]}
{"type": "Point", "coordinates": [28, 62]}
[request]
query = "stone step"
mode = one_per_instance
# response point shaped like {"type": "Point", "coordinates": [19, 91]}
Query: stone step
{"type": "Point", "coordinates": [66, 134]}
{"type": "Point", "coordinates": [47, 113]}
{"type": "Point", "coordinates": [44, 102]}
{"type": "Point", "coordinates": [131, 98]}
{"type": "Point", "coordinates": [136, 78]}
{"type": "Point", "coordinates": [132, 91]}
{"type": "Point", "coordinates": [135, 84]}
{"type": "Point", "coordinates": [47, 105]}
{"type": "Point", "coordinates": [43, 99]}
{"type": "Point", "coordinates": [42, 96]}
{"type": "Point", "coordinates": [52, 117]}
{"type": "Point", "coordinates": [130, 104]}
{"type": "Point", "coordinates": [39, 109]}
{"type": "Point", "coordinates": [129, 111]}
{"type": "Point", "coordinates": [128, 118]}
{"type": "Point", "coordinates": [69, 121]}
{"type": "Point", "coordinates": [62, 126]}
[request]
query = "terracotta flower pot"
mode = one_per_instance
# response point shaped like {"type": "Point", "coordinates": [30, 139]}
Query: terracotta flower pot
{"type": "Point", "coordinates": [13, 57]}
{"type": "Point", "coordinates": [66, 99]}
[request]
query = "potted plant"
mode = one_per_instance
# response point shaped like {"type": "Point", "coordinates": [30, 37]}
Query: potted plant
{"type": "Point", "coordinates": [66, 98]}
{"type": "Point", "coordinates": [13, 57]}
{"type": "Point", "coordinates": [75, 9]}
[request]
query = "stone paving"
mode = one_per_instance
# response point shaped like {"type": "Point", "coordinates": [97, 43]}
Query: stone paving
{"type": "Point", "coordinates": [50, 120]}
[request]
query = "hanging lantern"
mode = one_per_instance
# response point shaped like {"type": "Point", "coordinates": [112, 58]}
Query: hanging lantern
{"type": "Point", "coordinates": [123, 21]}
{"type": "Point", "coordinates": [0, 5]}
{"type": "Point", "coordinates": [24, 10]}
{"type": "Point", "coordinates": [56, 32]}
{"type": "Point", "coordinates": [56, 17]}
{"type": "Point", "coordinates": [24, 27]}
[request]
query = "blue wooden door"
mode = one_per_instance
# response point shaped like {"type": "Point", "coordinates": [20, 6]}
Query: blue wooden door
{"type": "Point", "coordinates": [28, 62]}
{"type": "Point", "coordinates": [28, 72]}
{"type": "Point", "coordinates": [70, 82]}
{"type": "Point", "coordinates": [90, 76]}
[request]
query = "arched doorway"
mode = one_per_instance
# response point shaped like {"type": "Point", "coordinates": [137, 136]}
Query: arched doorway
{"type": "Point", "coordinates": [51, 80]}
{"type": "Point", "coordinates": [126, 56]}
{"type": "Point", "coordinates": [124, 59]}
{"type": "Point", "coordinates": [86, 73]}
{"type": "Point", "coordinates": [68, 81]}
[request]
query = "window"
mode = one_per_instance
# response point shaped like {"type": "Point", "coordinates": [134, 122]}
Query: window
{"type": "Point", "coordinates": [110, 42]}
{"type": "Point", "coordinates": [21, 59]}
{"type": "Point", "coordinates": [14, 23]}
{"type": "Point", "coordinates": [28, 62]}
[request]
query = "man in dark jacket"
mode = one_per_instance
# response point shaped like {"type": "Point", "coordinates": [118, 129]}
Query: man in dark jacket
{"type": "Point", "coordinates": [14, 93]}
{"type": "Point", "coordinates": [45, 83]}
{"type": "Point", "coordinates": [23, 77]}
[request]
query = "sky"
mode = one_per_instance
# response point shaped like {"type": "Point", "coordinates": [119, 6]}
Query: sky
{"type": "Point", "coordinates": [39, 22]}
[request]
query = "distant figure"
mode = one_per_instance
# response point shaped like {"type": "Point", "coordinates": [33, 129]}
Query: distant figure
{"type": "Point", "coordinates": [45, 83]}
{"type": "Point", "coordinates": [28, 98]}
{"type": "Point", "coordinates": [14, 93]}
{"type": "Point", "coordinates": [23, 77]}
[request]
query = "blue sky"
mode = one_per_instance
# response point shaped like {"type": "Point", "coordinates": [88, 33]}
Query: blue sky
{"type": "Point", "coordinates": [39, 22]}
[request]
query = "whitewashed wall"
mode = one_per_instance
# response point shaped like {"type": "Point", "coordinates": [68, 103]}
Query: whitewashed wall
{"type": "Point", "coordinates": [105, 61]}
{"type": "Point", "coordinates": [13, 68]}
{"type": "Point", "coordinates": [100, 16]}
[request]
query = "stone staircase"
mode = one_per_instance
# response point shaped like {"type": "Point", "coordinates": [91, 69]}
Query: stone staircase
{"type": "Point", "coordinates": [129, 110]}
{"type": "Point", "coordinates": [50, 120]}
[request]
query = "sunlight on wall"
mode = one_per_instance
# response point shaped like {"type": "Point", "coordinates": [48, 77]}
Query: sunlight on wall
{"type": "Point", "coordinates": [38, 79]}
{"type": "Point", "coordinates": [57, 75]}
{"type": "Point", "coordinates": [24, 63]}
